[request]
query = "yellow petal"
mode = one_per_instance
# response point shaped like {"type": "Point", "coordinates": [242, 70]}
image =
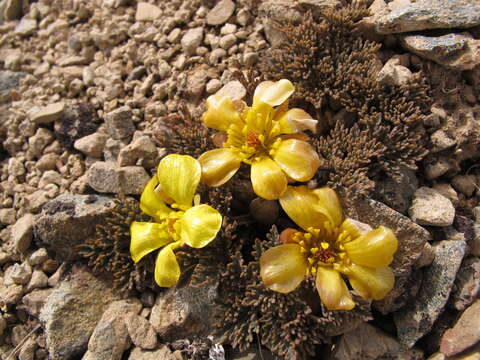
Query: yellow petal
{"type": "Point", "coordinates": [370, 283]}
{"type": "Point", "coordinates": [146, 237]}
{"type": "Point", "coordinates": [301, 205]}
{"type": "Point", "coordinates": [167, 270]}
{"type": "Point", "coordinates": [297, 158]}
{"type": "Point", "coordinates": [329, 204]}
{"type": "Point", "coordinates": [354, 228]}
{"type": "Point", "coordinates": [332, 289]}
{"type": "Point", "coordinates": [273, 93]}
{"type": "Point", "coordinates": [199, 225]}
{"type": "Point", "coordinates": [221, 112]}
{"type": "Point", "coordinates": [373, 249]}
{"type": "Point", "coordinates": [150, 202]}
{"type": "Point", "coordinates": [219, 165]}
{"type": "Point", "coordinates": [283, 267]}
{"type": "Point", "coordinates": [297, 120]}
{"type": "Point", "coordinates": [179, 176]}
{"type": "Point", "coordinates": [268, 180]}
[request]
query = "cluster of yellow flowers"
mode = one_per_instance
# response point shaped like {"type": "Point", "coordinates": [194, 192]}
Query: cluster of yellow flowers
{"type": "Point", "coordinates": [269, 137]}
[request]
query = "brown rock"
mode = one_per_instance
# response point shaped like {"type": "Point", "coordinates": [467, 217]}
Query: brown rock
{"type": "Point", "coordinates": [220, 12]}
{"type": "Point", "coordinates": [106, 177]}
{"type": "Point", "coordinates": [33, 302]}
{"type": "Point", "coordinates": [48, 114]}
{"type": "Point", "coordinates": [141, 332]}
{"type": "Point", "coordinates": [431, 208]}
{"type": "Point", "coordinates": [147, 12]}
{"type": "Point", "coordinates": [163, 353]}
{"type": "Point", "coordinates": [467, 284]}
{"type": "Point", "coordinates": [22, 232]}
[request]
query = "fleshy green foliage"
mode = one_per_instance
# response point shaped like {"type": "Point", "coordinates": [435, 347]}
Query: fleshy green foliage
{"type": "Point", "coordinates": [331, 65]}
{"type": "Point", "coordinates": [108, 251]}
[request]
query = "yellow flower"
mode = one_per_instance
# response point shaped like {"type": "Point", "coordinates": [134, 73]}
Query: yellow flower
{"type": "Point", "coordinates": [169, 199]}
{"type": "Point", "coordinates": [266, 136]}
{"type": "Point", "coordinates": [329, 248]}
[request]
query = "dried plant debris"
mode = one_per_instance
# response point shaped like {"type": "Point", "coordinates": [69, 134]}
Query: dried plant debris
{"type": "Point", "coordinates": [183, 133]}
{"type": "Point", "coordinates": [108, 251]}
{"type": "Point", "coordinates": [287, 324]}
{"type": "Point", "coordinates": [199, 349]}
{"type": "Point", "coordinates": [334, 68]}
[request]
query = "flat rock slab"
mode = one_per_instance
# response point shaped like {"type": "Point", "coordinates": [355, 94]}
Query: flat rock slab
{"type": "Point", "coordinates": [72, 311]}
{"type": "Point", "coordinates": [417, 318]}
{"type": "Point", "coordinates": [455, 51]}
{"type": "Point", "coordinates": [48, 114]}
{"type": "Point", "coordinates": [430, 14]}
{"type": "Point", "coordinates": [68, 220]}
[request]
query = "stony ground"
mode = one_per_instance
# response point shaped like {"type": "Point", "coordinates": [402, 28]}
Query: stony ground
{"type": "Point", "coordinates": [83, 84]}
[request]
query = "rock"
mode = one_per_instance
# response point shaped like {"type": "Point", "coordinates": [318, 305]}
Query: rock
{"type": "Point", "coordinates": [7, 216]}
{"type": "Point", "coordinates": [196, 84]}
{"type": "Point", "coordinates": [216, 56]}
{"type": "Point", "coordinates": [191, 40]}
{"type": "Point", "coordinates": [20, 274]}
{"type": "Point", "coordinates": [430, 14]}
{"type": "Point", "coordinates": [397, 193]}
{"type": "Point", "coordinates": [26, 27]}
{"type": "Point", "coordinates": [448, 191]}
{"type": "Point", "coordinates": [10, 294]}
{"type": "Point", "coordinates": [221, 12]}
{"type": "Point", "coordinates": [22, 232]}
{"type": "Point", "coordinates": [141, 332]}
{"type": "Point", "coordinates": [147, 12]}
{"type": "Point", "coordinates": [163, 353]}
{"type": "Point", "coordinates": [72, 311]}
{"type": "Point", "coordinates": [234, 89]}
{"type": "Point", "coordinates": [417, 318]}
{"type": "Point", "coordinates": [141, 151]}
{"type": "Point", "coordinates": [426, 258]}
{"type": "Point", "coordinates": [438, 167]}
{"type": "Point", "coordinates": [393, 73]}
{"type": "Point", "coordinates": [27, 351]}
{"type": "Point", "coordinates": [467, 284]}
{"type": "Point", "coordinates": [33, 302]}
{"type": "Point", "coordinates": [3, 325]}
{"type": "Point", "coordinates": [68, 220]}
{"type": "Point", "coordinates": [9, 80]}
{"type": "Point", "coordinates": [37, 281]}
{"type": "Point", "coordinates": [227, 41]}
{"type": "Point", "coordinates": [466, 184]}
{"type": "Point", "coordinates": [106, 177]}
{"type": "Point", "coordinates": [91, 145]}
{"type": "Point", "coordinates": [38, 257]}
{"type": "Point", "coordinates": [369, 343]}
{"type": "Point", "coordinates": [213, 86]}
{"type": "Point", "coordinates": [184, 312]}
{"type": "Point", "coordinates": [264, 211]}
{"type": "Point", "coordinates": [119, 123]}
{"type": "Point", "coordinates": [441, 141]}
{"type": "Point", "coordinates": [48, 114]}
{"type": "Point", "coordinates": [454, 51]}
{"type": "Point", "coordinates": [12, 9]}
{"type": "Point", "coordinates": [110, 337]}
{"type": "Point", "coordinates": [411, 241]}
{"type": "Point", "coordinates": [431, 208]}
{"type": "Point", "coordinates": [465, 333]}
{"type": "Point", "coordinates": [38, 142]}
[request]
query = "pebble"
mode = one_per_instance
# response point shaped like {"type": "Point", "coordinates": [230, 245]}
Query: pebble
{"type": "Point", "coordinates": [147, 12]}
{"type": "Point", "coordinates": [7, 216]}
{"type": "Point", "coordinates": [467, 284]}
{"type": "Point", "coordinates": [38, 142]}
{"type": "Point", "coordinates": [228, 29]}
{"type": "Point", "coordinates": [141, 151]}
{"type": "Point", "coordinates": [250, 59]}
{"type": "Point", "coordinates": [48, 114]}
{"type": "Point", "coordinates": [141, 332]}
{"type": "Point", "coordinates": [216, 56]}
{"type": "Point", "coordinates": [91, 145]}
{"type": "Point", "coordinates": [437, 167]}
{"type": "Point", "coordinates": [26, 26]}
{"type": "Point", "coordinates": [221, 12]}
{"type": "Point", "coordinates": [441, 141]}
{"type": "Point", "coordinates": [47, 162]}
{"type": "Point", "coordinates": [37, 281]}
{"type": "Point", "coordinates": [429, 207]}
{"type": "Point", "coordinates": [38, 257]}
{"type": "Point", "coordinates": [22, 233]}
{"type": "Point", "coordinates": [466, 184]}
{"type": "Point", "coordinates": [33, 301]}
{"type": "Point", "coordinates": [119, 123]}
{"type": "Point", "coordinates": [213, 85]}
{"type": "Point", "coordinates": [227, 41]}
{"type": "Point", "coordinates": [394, 73]}
{"type": "Point", "coordinates": [191, 40]}
{"type": "Point", "coordinates": [106, 177]}
{"type": "Point", "coordinates": [243, 17]}
{"type": "Point", "coordinates": [12, 9]}
{"type": "Point", "coordinates": [448, 191]}
{"type": "Point", "coordinates": [19, 273]}
{"type": "Point", "coordinates": [234, 89]}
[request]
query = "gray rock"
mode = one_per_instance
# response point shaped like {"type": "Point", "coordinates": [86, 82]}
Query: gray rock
{"type": "Point", "coordinates": [196, 84]}
{"type": "Point", "coordinates": [397, 193]}
{"type": "Point", "coordinates": [221, 12]}
{"type": "Point", "coordinates": [455, 51]}
{"type": "Point", "coordinates": [441, 141]}
{"type": "Point", "coordinates": [91, 145]}
{"type": "Point", "coordinates": [9, 80]}
{"type": "Point", "coordinates": [7, 216]}
{"type": "Point", "coordinates": [141, 151]}
{"type": "Point", "coordinates": [430, 14]}
{"type": "Point", "coordinates": [467, 284]}
{"type": "Point", "coordinates": [106, 177]}
{"type": "Point", "coordinates": [163, 353]}
{"type": "Point", "coordinates": [22, 232]}
{"type": "Point", "coordinates": [393, 73]}
{"type": "Point", "coordinates": [431, 208]}
{"type": "Point", "coordinates": [19, 273]}
{"type": "Point", "coordinates": [426, 258]}
{"type": "Point", "coordinates": [369, 343]}
{"type": "Point", "coordinates": [26, 26]}
{"type": "Point", "coordinates": [234, 89]}
{"type": "Point", "coordinates": [184, 312]}
{"type": "Point", "coordinates": [68, 220]}
{"type": "Point", "coordinates": [191, 40]}
{"type": "Point", "coordinates": [33, 302]}
{"type": "Point", "coordinates": [417, 318]}
{"type": "Point", "coordinates": [110, 337]}
{"type": "Point", "coordinates": [411, 241]}
{"type": "Point", "coordinates": [119, 123]}
{"type": "Point", "coordinates": [141, 331]}
{"type": "Point", "coordinates": [72, 311]}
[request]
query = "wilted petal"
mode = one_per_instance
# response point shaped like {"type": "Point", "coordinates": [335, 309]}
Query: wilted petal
{"type": "Point", "coordinates": [332, 289]}
{"type": "Point", "coordinates": [283, 267]}
{"type": "Point", "coordinates": [167, 270]}
{"type": "Point", "coordinates": [273, 93]}
{"type": "Point", "coordinates": [221, 112]}
{"type": "Point", "coordinates": [297, 120]}
{"type": "Point", "coordinates": [373, 249]}
{"type": "Point", "coordinates": [370, 283]}
{"type": "Point", "coordinates": [150, 203]}
{"type": "Point", "coordinates": [329, 204]}
{"type": "Point", "coordinates": [297, 158]}
{"type": "Point", "coordinates": [219, 165]}
{"type": "Point", "coordinates": [301, 205]}
{"type": "Point", "coordinates": [199, 225]}
{"type": "Point", "coordinates": [179, 176]}
{"type": "Point", "coordinates": [268, 180]}
{"type": "Point", "coordinates": [146, 237]}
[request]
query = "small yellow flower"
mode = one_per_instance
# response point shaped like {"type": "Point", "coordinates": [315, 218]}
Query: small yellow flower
{"type": "Point", "coordinates": [268, 136]}
{"type": "Point", "coordinates": [330, 247]}
{"type": "Point", "coordinates": [169, 199]}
